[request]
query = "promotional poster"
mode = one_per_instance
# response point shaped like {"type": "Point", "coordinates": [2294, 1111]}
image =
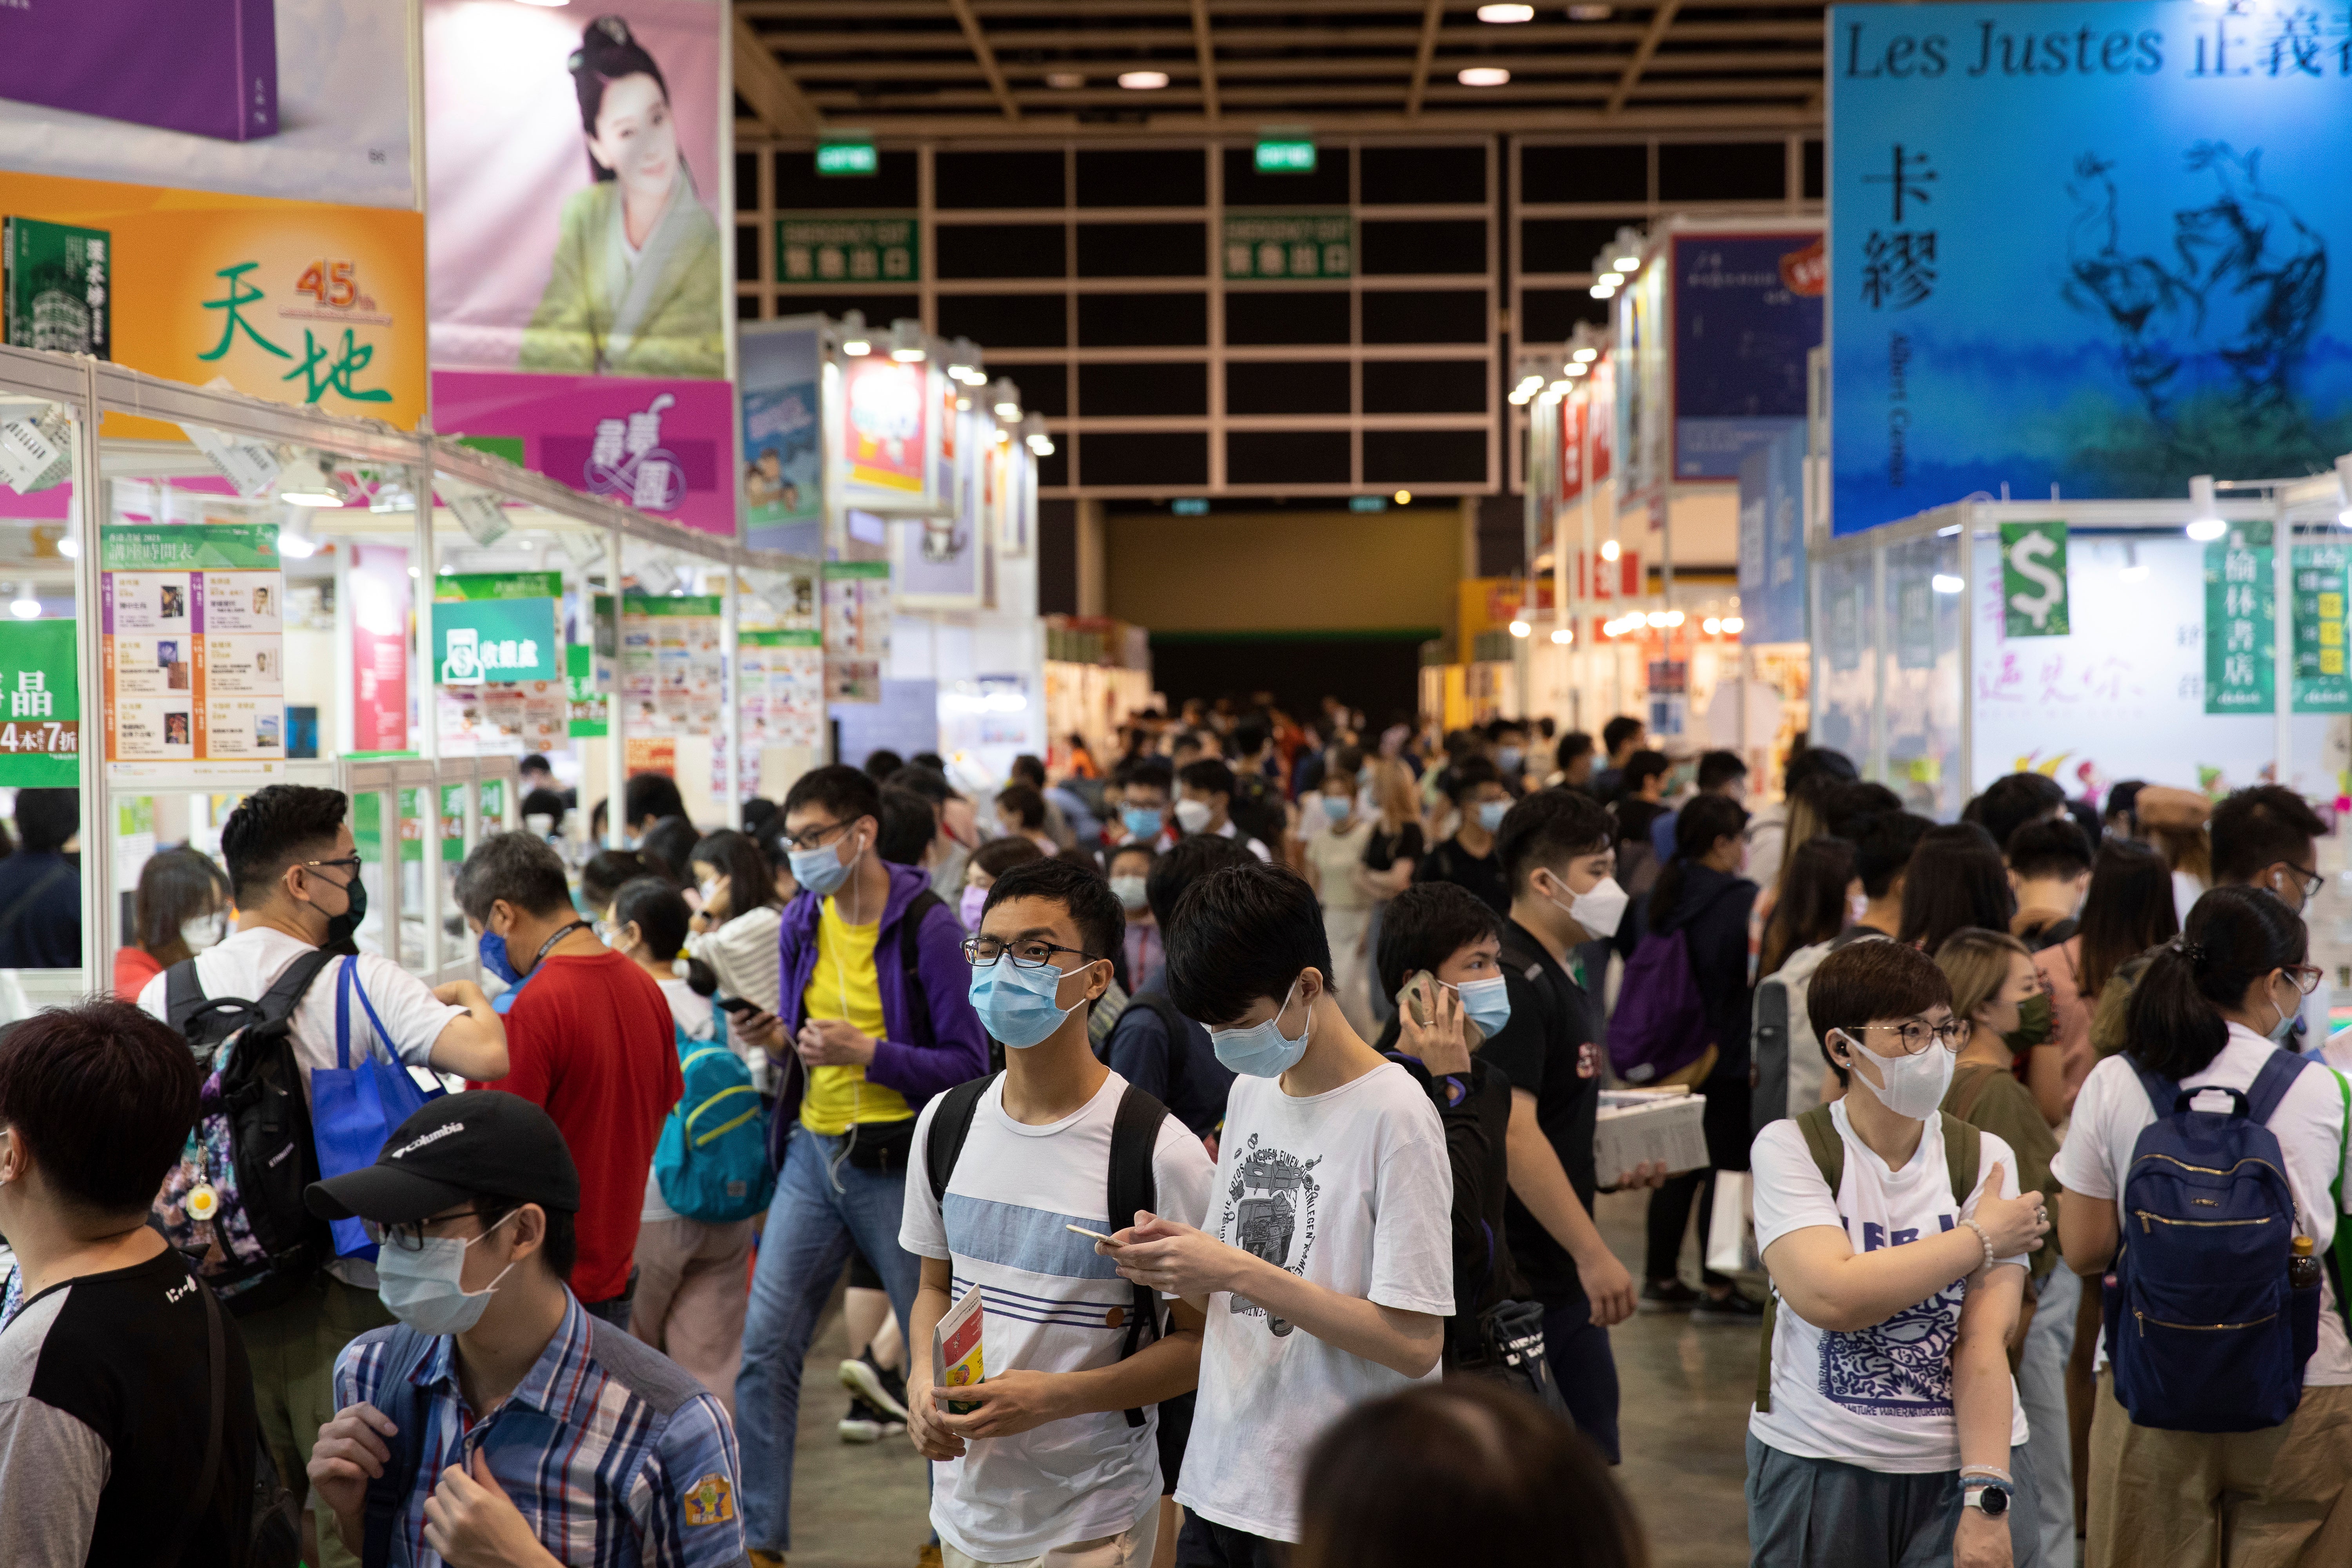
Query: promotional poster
{"type": "Point", "coordinates": [783, 463]}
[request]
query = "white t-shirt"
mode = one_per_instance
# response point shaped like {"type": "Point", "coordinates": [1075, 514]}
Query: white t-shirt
{"type": "Point", "coordinates": [698, 1015]}
{"type": "Point", "coordinates": [1350, 1189]}
{"type": "Point", "coordinates": [249, 963]}
{"type": "Point", "coordinates": [1880, 1397]}
{"type": "Point", "coordinates": [1052, 1304]}
{"type": "Point", "coordinates": [2309, 1124]}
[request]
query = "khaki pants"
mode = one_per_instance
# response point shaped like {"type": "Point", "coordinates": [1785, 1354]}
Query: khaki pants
{"type": "Point", "coordinates": [292, 1348]}
{"type": "Point", "coordinates": [694, 1285]}
{"type": "Point", "coordinates": [1132, 1548]}
{"type": "Point", "coordinates": [2222, 1500]}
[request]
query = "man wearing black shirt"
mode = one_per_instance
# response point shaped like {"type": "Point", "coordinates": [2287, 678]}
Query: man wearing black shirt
{"type": "Point", "coordinates": [1467, 860]}
{"type": "Point", "coordinates": [1555, 846]}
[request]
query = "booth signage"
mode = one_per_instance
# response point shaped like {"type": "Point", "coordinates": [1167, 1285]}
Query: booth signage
{"type": "Point", "coordinates": [2034, 579]}
{"type": "Point", "coordinates": [1746, 310]}
{"type": "Point", "coordinates": [494, 639]}
{"type": "Point", "coordinates": [2241, 623]}
{"type": "Point", "coordinates": [588, 705]}
{"type": "Point", "coordinates": [857, 605]}
{"type": "Point", "coordinates": [783, 440]}
{"type": "Point", "coordinates": [1773, 540]}
{"type": "Point", "coordinates": [40, 705]}
{"type": "Point", "coordinates": [886, 427]}
{"type": "Point", "coordinates": [1291, 246]}
{"type": "Point", "coordinates": [874, 249]}
{"type": "Point", "coordinates": [2322, 683]}
{"type": "Point", "coordinates": [193, 651]}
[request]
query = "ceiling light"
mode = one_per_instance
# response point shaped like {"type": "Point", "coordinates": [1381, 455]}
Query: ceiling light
{"type": "Point", "coordinates": [1628, 263]}
{"type": "Point", "coordinates": [1604, 290]}
{"type": "Point", "coordinates": [69, 547]}
{"type": "Point", "coordinates": [1945, 582]}
{"type": "Point", "coordinates": [907, 342]}
{"type": "Point", "coordinates": [1507, 13]}
{"type": "Point", "coordinates": [964, 359]}
{"type": "Point", "coordinates": [854, 340]}
{"type": "Point", "coordinates": [2205, 523]}
{"type": "Point", "coordinates": [24, 606]}
{"type": "Point", "coordinates": [1711, 626]}
{"type": "Point", "coordinates": [1590, 13]}
{"type": "Point", "coordinates": [1585, 356]}
{"type": "Point", "coordinates": [308, 480]}
{"type": "Point", "coordinates": [1610, 279]}
{"type": "Point", "coordinates": [2206, 530]}
{"type": "Point", "coordinates": [1563, 636]}
{"type": "Point", "coordinates": [1404, 498]}
{"type": "Point", "coordinates": [294, 540]}
{"type": "Point", "coordinates": [1007, 399]}
{"type": "Point", "coordinates": [1066, 80]}
{"type": "Point", "coordinates": [1520, 399]}
{"type": "Point", "coordinates": [1734, 625]}
{"type": "Point", "coordinates": [1142, 81]}
{"type": "Point", "coordinates": [1560, 386]}
{"type": "Point", "coordinates": [1674, 617]}
{"type": "Point", "coordinates": [963, 404]}
{"type": "Point", "coordinates": [1611, 550]}
{"type": "Point", "coordinates": [1482, 76]}
{"type": "Point", "coordinates": [2342, 519]}
{"type": "Point", "coordinates": [1519, 628]}
{"type": "Point", "coordinates": [1577, 369]}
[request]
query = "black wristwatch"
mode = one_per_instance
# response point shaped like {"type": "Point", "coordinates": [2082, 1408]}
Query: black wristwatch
{"type": "Point", "coordinates": [1990, 1497]}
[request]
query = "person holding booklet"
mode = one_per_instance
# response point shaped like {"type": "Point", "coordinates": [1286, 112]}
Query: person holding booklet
{"type": "Point", "coordinates": [1327, 1270]}
{"type": "Point", "coordinates": [1052, 1457]}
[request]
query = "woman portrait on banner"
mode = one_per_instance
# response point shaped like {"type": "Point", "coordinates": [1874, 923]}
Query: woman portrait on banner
{"type": "Point", "coordinates": [636, 284]}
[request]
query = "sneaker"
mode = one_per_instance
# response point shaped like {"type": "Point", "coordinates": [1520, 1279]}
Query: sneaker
{"type": "Point", "coordinates": [865, 1424]}
{"type": "Point", "coordinates": [1734, 1308]}
{"type": "Point", "coordinates": [928, 1557]}
{"type": "Point", "coordinates": [884, 1390]}
{"type": "Point", "coordinates": [1674, 1295]}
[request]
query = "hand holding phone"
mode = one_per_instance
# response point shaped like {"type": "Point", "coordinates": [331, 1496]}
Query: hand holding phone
{"type": "Point", "coordinates": [1099, 1236]}
{"type": "Point", "coordinates": [737, 1004]}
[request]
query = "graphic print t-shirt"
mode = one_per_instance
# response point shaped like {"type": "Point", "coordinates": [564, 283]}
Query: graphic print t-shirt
{"type": "Point", "coordinates": [1052, 1304]}
{"type": "Point", "coordinates": [1350, 1189]}
{"type": "Point", "coordinates": [1879, 1397]}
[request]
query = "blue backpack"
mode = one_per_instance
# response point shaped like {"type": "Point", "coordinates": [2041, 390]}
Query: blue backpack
{"type": "Point", "coordinates": [2203, 1330]}
{"type": "Point", "coordinates": [712, 1159]}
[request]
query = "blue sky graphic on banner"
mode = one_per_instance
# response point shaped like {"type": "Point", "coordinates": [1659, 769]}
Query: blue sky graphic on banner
{"type": "Point", "coordinates": [2083, 244]}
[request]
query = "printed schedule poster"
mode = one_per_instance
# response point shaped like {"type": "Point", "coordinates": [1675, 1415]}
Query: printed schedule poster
{"type": "Point", "coordinates": [194, 645]}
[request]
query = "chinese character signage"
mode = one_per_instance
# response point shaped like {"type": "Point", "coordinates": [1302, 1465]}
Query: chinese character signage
{"type": "Point", "coordinates": [2241, 649]}
{"type": "Point", "coordinates": [192, 655]}
{"type": "Point", "coordinates": [867, 248]}
{"type": "Point", "coordinates": [2322, 684]}
{"type": "Point", "coordinates": [783, 442]}
{"type": "Point", "coordinates": [40, 705]}
{"type": "Point", "coordinates": [1746, 310]}
{"type": "Point", "coordinates": [56, 281]}
{"type": "Point", "coordinates": [2084, 246]}
{"type": "Point", "coordinates": [2033, 580]}
{"type": "Point", "coordinates": [479, 640]}
{"type": "Point", "coordinates": [1289, 246]}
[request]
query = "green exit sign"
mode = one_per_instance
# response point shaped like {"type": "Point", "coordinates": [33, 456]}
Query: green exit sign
{"type": "Point", "coordinates": [1285, 157]}
{"type": "Point", "coordinates": [846, 158]}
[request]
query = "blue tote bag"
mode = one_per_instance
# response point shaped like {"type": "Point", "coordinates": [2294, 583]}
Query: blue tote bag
{"type": "Point", "coordinates": [354, 1109]}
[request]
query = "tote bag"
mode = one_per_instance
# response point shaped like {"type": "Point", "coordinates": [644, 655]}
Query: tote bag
{"type": "Point", "coordinates": [354, 1109]}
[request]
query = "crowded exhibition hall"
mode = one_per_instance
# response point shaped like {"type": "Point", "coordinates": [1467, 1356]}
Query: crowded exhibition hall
{"type": "Point", "coordinates": [1174, 784]}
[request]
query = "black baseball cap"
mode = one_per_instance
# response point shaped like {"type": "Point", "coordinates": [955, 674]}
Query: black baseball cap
{"type": "Point", "coordinates": [482, 1141]}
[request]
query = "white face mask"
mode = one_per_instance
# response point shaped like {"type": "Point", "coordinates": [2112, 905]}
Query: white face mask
{"type": "Point", "coordinates": [1598, 909]}
{"type": "Point", "coordinates": [204, 930]}
{"type": "Point", "coordinates": [1912, 1086]}
{"type": "Point", "coordinates": [709, 891]}
{"type": "Point", "coordinates": [1193, 816]}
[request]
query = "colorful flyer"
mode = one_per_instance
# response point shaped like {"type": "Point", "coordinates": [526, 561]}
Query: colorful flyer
{"type": "Point", "coordinates": [956, 1350]}
{"type": "Point", "coordinates": [194, 645]}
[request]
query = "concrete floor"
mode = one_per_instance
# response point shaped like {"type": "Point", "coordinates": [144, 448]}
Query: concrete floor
{"type": "Point", "coordinates": [1684, 1389]}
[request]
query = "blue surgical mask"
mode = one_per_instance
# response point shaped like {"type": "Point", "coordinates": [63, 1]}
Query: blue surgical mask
{"type": "Point", "coordinates": [1263, 1050]}
{"type": "Point", "coordinates": [1336, 806]}
{"type": "Point", "coordinates": [1486, 1003]}
{"type": "Point", "coordinates": [1508, 758]}
{"type": "Point", "coordinates": [493, 950]}
{"type": "Point", "coordinates": [2282, 1032]}
{"type": "Point", "coordinates": [821, 870]}
{"type": "Point", "coordinates": [1016, 1005]}
{"type": "Point", "coordinates": [1142, 822]}
{"type": "Point", "coordinates": [425, 1290]}
{"type": "Point", "coordinates": [1491, 813]}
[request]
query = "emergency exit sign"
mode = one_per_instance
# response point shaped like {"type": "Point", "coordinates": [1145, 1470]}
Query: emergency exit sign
{"type": "Point", "coordinates": [846, 158]}
{"type": "Point", "coordinates": [1285, 157]}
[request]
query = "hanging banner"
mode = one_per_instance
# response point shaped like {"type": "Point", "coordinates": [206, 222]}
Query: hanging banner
{"type": "Point", "coordinates": [2322, 684]}
{"type": "Point", "coordinates": [780, 368]}
{"type": "Point", "coordinates": [495, 640]}
{"type": "Point", "coordinates": [1747, 310]}
{"type": "Point", "coordinates": [193, 656]}
{"type": "Point", "coordinates": [857, 607]}
{"type": "Point", "coordinates": [2241, 623]}
{"type": "Point", "coordinates": [40, 707]}
{"type": "Point", "coordinates": [1773, 540]}
{"type": "Point", "coordinates": [380, 599]}
{"type": "Point", "coordinates": [887, 428]}
{"type": "Point", "coordinates": [2033, 580]}
{"type": "Point", "coordinates": [304, 99]}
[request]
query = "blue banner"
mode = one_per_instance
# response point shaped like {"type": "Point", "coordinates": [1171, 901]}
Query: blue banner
{"type": "Point", "coordinates": [1746, 310]}
{"type": "Point", "coordinates": [783, 467]}
{"type": "Point", "coordinates": [1773, 540]}
{"type": "Point", "coordinates": [2083, 245]}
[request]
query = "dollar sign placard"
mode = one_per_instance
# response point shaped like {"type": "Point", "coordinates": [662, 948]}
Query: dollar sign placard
{"type": "Point", "coordinates": [2034, 579]}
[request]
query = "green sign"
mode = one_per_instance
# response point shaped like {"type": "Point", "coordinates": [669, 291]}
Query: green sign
{"type": "Point", "coordinates": [58, 293]}
{"type": "Point", "coordinates": [476, 640]}
{"type": "Point", "coordinates": [2322, 684]}
{"type": "Point", "coordinates": [452, 824]}
{"type": "Point", "coordinates": [1285, 157]}
{"type": "Point", "coordinates": [2034, 579]}
{"type": "Point", "coordinates": [847, 158]}
{"type": "Point", "coordinates": [588, 708]}
{"type": "Point", "coordinates": [669, 604]}
{"type": "Point", "coordinates": [1297, 245]}
{"type": "Point", "coordinates": [849, 249]}
{"type": "Point", "coordinates": [499, 586]}
{"type": "Point", "coordinates": [804, 638]}
{"type": "Point", "coordinates": [185, 547]}
{"type": "Point", "coordinates": [2241, 623]}
{"type": "Point", "coordinates": [40, 705]}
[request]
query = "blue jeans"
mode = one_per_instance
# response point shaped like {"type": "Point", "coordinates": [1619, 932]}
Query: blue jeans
{"type": "Point", "coordinates": [810, 1226]}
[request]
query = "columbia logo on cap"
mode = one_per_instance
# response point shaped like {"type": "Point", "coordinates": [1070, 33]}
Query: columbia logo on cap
{"type": "Point", "coordinates": [434, 1136]}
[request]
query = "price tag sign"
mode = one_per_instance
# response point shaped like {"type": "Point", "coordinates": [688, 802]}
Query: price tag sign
{"type": "Point", "coordinates": [40, 705]}
{"type": "Point", "coordinates": [2034, 579]}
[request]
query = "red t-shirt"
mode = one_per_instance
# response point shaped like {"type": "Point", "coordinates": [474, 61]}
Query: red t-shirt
{"type": "Point", "coordinates": [590, 1042]}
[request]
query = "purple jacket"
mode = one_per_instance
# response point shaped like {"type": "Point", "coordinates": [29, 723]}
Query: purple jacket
{"type": "Point", "coordinates": [957, 1050]}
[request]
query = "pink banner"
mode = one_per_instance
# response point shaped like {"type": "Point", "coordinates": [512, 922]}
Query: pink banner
{"type": "Point", "coordinates": [664, 446]}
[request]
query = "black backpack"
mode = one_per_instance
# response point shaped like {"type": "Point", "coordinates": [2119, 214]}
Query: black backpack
{"type": "Point", "coordinates": [1134, 1130]}
{"type": "Point", "coordinates": [234, 1204]}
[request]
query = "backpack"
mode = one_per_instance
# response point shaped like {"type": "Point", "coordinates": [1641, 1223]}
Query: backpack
{"type": "Point", "coordinates": [1659, 1031]}
{"type": "Point", "coordinates": [2203, 1330]}
{"type": "Point", "coordinates": [1963, 1149]}
{"type": "Point", "coordinates": [711, 1161]}
{"type": "Point", "coordinates": [1134, 1132]}
{"type": "Point", "coordinates": [234, 1204]}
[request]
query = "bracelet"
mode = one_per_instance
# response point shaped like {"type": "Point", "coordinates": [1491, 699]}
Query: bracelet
{"type": "Point", "coordinates": [1984, 1237]}
{"type": "Point", "coordinates": [1987, 1484]}
{"type": "Point", "coordinates": [1987, 1471]}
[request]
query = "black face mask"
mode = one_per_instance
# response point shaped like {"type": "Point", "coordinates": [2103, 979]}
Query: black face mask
{"type": "Point", "coordinates": [342, 930]}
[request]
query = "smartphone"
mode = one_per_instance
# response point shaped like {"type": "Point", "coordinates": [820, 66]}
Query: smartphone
{"type": "Point", "coordinates": [737, 1004]}
{"type": "Point", "coordinates": [1418, 996]}
{"type": "Point", "coordinates": [1082, 1230]}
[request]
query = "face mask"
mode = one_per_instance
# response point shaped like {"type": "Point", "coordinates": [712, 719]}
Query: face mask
{"type": "Point", "coordinates": [492, 948]}
{"type": "Point", "coordinates": [970, 906]}
{"type": "Point", "coordinates": [1491, 813]}
{"type": "Point", "coordinates": [426, 1288]}
{"type": "Point", "coordinates": [203, 932]}
{"type": "Point", "coordinates": [1142, 822]}
{"type": "Point", "coordinates": [2285, 1028]}
{"type": "Point", "coordinates": [1509, 758]}
{"type": "Point", "coordinates": [342, 928]}
{"type": "Point", "coordinates": [1263, 1050]}
{"type": "Point", "coordinates": [1336, 806]}
{"type": "Point", "coordinates": [1855, 907]}
{"type": "Point", "coordinates": [1191, 816]}
{"type": "Point", "coordinates": [821, 870]}
{"type": "Point", "coordinates": [2035, 1017]}
{"type": "Point", "coordinates": [709, 892]}
{"type": "Point", "coordinates": [1486, 1003]}
{"type": "Point", "coordinates": [1598, 909]}
{"type": "Point", "coordinates": [1915, 1085]}
{"type": "Point", "coordinates": [1016, 1005]}
{"type": "Point", "coordinates": [606, 932]}
{"type": "Point", "coordinates": [1130, 893]}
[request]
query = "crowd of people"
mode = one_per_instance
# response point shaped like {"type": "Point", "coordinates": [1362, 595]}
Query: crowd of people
{"type": "Point", "coordinates": [1249, 1082]}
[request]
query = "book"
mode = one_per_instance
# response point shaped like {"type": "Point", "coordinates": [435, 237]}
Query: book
{"type": "Point", "coordinates": [208, 68]}
{"type": "Point", "coordinates": [955, 1351]}
{"type": "Point", "coordinates": [58, 284]}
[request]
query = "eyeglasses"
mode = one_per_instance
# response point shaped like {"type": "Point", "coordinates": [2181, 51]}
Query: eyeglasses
{"type": "Point", "coordinates": [351, 863]}
{"type": "Point", "coordinates": [1914, 1033]}
{"type": "Point", "coordinates": [812, 837]}
{"type": "Point", "coordinates": [1033, 953]}
{"type": "Point", "coordinates": [408, 1235]}
{"type": "Point", "coordinates": [2306, 976]}
{"type": "Point", "coordinates": [2311, 882]}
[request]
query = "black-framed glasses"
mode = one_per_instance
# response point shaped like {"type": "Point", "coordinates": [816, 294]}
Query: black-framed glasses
{"type": "Point", "coordinates": [815, 837]}
{"type": "Point", "coordinates": [409, 1236]}
{"type": "Point", "coordinates": [349, 862]}
{"type": "Point", "coordinates": [2311, 882]}
{"type": "Point", "coordinates": [1029, 952]}
{"type": "Point", "coordinates": [1914, 1033]}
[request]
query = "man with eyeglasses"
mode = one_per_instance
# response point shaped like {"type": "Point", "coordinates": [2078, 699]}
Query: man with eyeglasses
{"type": "Point", "coordinates": [499, 1421]}
{"type": "Point", "coordinates": [874, 1020]}
{"type": "Point", "coordinates": [1885, 1418]}
{"type": "Point", "coordinates": [295, 871]}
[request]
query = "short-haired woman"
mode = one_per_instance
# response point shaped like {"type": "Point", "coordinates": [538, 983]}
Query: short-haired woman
{"type": "Point", "coordinates": [181, 910]}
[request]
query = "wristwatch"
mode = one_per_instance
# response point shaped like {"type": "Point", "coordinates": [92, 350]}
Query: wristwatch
{"type": "Point", "coordinates": [1990, 1497]}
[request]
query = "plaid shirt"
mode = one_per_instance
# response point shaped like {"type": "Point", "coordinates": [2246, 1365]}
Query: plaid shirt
{"type": "Point", "coordinates": [615, 1462]}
